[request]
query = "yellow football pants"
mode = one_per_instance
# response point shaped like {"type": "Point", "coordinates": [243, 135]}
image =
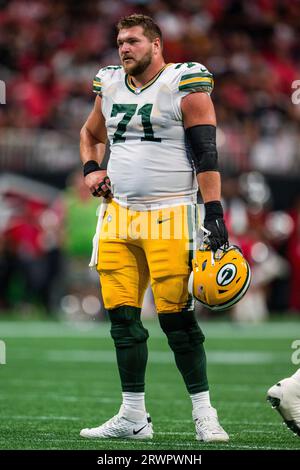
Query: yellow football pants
{"type": "Point", "coordinates": [136, 247]}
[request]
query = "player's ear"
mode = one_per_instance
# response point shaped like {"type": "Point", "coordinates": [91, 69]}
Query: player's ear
{"type": "Point", "coordinates": [156, 45]}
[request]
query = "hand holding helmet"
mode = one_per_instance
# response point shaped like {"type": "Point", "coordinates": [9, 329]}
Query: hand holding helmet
{"type": "Point", "coordinates": [215, 229]}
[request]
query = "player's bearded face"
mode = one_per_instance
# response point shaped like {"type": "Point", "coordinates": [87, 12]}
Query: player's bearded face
{"type": "Point", "coordinates": [134, 66]}
{"type": "Point", "coordinates": [135, 50]}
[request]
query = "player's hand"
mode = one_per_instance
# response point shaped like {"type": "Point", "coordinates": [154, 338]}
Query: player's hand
{"type": "Point", "coordinates": [216, 235]}
{"type": "Point", "coordinates": [104, 189]}
{"type": "Point", "coordinates": [99, 184]}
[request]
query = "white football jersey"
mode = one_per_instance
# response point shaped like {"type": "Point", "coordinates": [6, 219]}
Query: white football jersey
{"type": "Point", "coordinates": [149, 166]}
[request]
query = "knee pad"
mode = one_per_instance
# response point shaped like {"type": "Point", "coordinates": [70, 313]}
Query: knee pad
{"type": "Point", "coordinates": [126, 327]}
{"type": "Point", "coordinates": [182, 331]}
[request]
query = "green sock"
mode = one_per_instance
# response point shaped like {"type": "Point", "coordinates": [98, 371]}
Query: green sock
{"type": "Point", "coordinates": [192, 366]}
{"type": "Point", "coordinates": [186, 341]}
{"type": "Point", "coordinates": [131, 347]}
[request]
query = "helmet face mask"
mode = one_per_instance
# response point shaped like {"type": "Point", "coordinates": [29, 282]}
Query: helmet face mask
{"type": "Point", "coordinates": [219, 280]}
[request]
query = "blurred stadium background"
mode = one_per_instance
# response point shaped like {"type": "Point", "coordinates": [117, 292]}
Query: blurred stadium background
{"type": "Point", "coordinates": [51, 315]}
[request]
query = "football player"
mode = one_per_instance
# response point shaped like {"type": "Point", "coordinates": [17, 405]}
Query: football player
{"type": "Point", "coordinates": [285, 398]}
{"type": "Point", "coordinates": [161, 126]}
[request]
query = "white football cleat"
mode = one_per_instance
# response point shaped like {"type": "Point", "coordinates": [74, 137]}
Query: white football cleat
{"type": "Point", "coordinates": [285, 398]}
{"type": "Point", "coordinates": [127, 424]}
{"type": "Point", "coordinates": [208, 428]}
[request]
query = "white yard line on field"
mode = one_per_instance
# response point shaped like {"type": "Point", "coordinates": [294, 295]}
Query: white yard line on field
{"type": "Point", "coordinates": [48, 329]}
{"type": "Point", "coordinates": [166, 357]}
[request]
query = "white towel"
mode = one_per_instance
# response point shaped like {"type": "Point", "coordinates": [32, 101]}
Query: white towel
{"type": "Point", "coordinates": [94, 257]}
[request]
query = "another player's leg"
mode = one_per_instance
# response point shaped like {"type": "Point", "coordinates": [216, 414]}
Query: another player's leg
{"type": "Point", "coordinates": [284, 397]}
{"type": "Point", "coordinates": [124, 277]}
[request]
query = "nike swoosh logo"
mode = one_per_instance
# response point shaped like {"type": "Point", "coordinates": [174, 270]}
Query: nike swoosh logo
{"type": "Point", "coordinates": [160, 221]}
{"type": "Point", "coordinates": [139, 430]}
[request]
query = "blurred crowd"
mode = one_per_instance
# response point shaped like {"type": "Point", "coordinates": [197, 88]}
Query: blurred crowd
{"type": "Point", "coordinates": [31, 234]}
{"type": "Point", "coordinates": [49, 54]}
{"type": "Point", "coordinates": [50, 51]}
{"type": "Point", "coordinates": [270, 240]}
{"type": "Point", "coordinates": [45, 243]}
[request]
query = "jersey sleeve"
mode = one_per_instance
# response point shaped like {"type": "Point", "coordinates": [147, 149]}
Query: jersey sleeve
{"type": "Point", "coordinates": [195, 78]}
{"type": "Point", "coordinates": [104, 78]}
{"type": "Point", "coordinates": [98, 82]}
{"type": "Point", "coordinates": [189, 77]}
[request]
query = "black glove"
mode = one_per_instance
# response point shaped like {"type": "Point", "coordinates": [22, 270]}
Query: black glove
{"type": "Point", "coordinates": [214, 222]}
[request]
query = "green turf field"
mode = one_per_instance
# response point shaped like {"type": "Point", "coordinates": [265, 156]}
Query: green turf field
{"type": "Point", "coordinates": [59, 378]}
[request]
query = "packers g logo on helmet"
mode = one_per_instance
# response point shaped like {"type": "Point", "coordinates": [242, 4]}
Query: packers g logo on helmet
{"type": "Point", "coordinates": [219, 280]}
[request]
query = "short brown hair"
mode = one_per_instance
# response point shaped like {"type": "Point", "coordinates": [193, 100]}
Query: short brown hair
{"type": "Point", "coordinates": [151, 29]}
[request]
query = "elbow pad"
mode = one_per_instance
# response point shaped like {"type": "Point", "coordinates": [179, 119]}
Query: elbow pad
{"type": "Point", "coordinates": [201, 146]}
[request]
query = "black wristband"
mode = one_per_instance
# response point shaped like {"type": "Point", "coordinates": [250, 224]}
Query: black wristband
{"type": "Point", "coordinates": [90, 166]}
{"type": "Point", "coordinates": [213, 210]}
